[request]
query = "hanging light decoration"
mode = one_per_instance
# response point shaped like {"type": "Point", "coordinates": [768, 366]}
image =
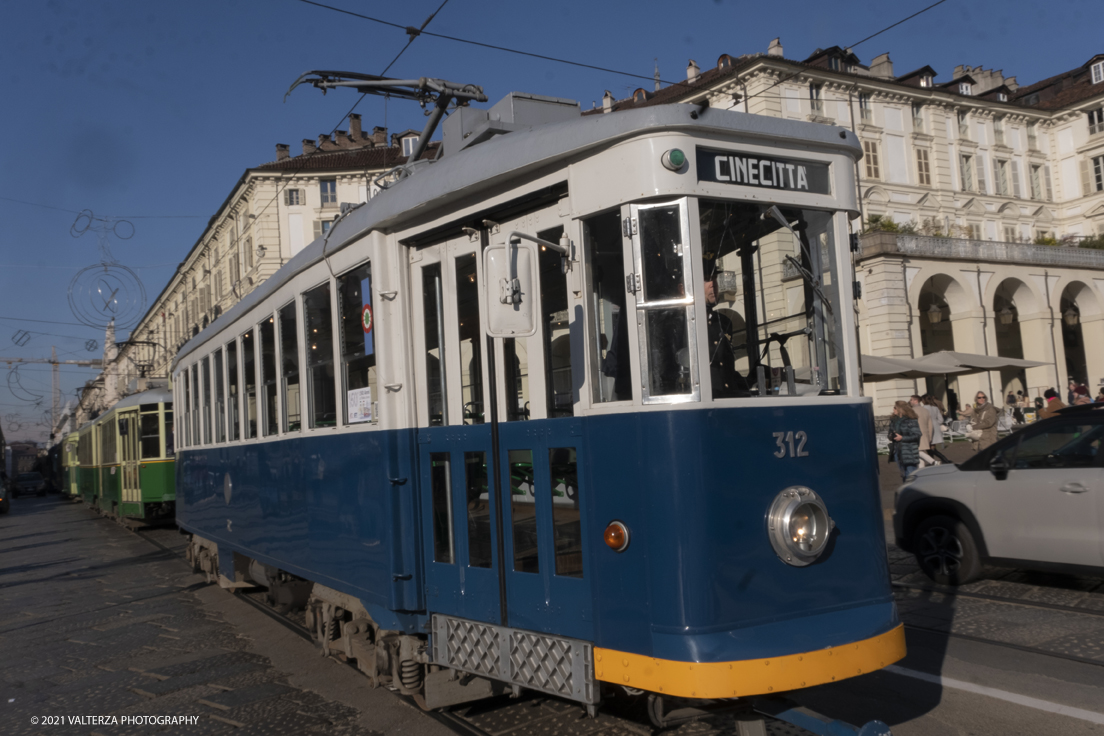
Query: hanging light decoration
{"type": "Point", "coordinates": [935, 314]}
{"type": "Point", "coordinates": [1071, 317]}
{"type": "Point", "coordinates": [1007, 316]}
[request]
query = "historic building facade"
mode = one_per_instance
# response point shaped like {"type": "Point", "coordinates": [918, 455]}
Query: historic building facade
{"type": "Point", "coordinates": [272, 212]}
{"type": "Point", "coordinates": [970, 171]}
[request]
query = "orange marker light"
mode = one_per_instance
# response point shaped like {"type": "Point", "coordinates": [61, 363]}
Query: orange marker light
{"type": "Point", "coordinates": [617, 536]}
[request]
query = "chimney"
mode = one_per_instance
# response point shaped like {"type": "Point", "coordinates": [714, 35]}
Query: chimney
{"type": "Point", "coordinates": [282, 151]}
{"type": "Point", "coordinates": [354, 127]}
{"type": "Point", "coordinates": [379, 136]}
{"type": "Point", "coordinates": [775, 48]}
{"type": "Point", "coordinates": [607, 102]}
{"type": "Point", "coordinates": [308, 146]}
{"type": "Point", "coordinates": [882, 67]}
{"type": "Point", "coordinates": [324, 142]}
{"type": "Point", "coordinates": [693, 73]}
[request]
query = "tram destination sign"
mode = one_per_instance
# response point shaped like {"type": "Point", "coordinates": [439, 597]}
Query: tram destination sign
{"type": "Point", "coordinates": [766, 172]}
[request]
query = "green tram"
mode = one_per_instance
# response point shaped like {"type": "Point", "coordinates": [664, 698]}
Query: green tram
{"type": "Point", "coordinates": [126, 461]}
{"type": "Point", "coordinates": [69, 465]}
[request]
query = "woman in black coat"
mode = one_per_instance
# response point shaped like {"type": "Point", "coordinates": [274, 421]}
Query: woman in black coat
{"type": "Point", "coordinates": [904, 433]}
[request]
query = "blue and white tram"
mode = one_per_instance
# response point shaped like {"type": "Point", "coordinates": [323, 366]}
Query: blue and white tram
{"type": "Point", "coordinates": [670, 485]}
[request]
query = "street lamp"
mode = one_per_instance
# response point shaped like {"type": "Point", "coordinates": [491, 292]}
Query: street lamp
{"type": "Point", "coordinates": [935, 314]}
{"type": "Point", "coordinates": [1071, 317]}
{"type": "Point", "coordinates": [1007, 316]}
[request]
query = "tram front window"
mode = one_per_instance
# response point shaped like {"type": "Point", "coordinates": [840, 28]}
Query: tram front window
{"type": "Point", "coordinates": [772, 293]}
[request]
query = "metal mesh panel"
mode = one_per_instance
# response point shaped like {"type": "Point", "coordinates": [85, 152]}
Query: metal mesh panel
{"type": "Point", "coordinates": [473, 647]}
{"type": "Point", "coordinates": [541, 662]}
{"type": "Point", "coordinates": [550, 664]}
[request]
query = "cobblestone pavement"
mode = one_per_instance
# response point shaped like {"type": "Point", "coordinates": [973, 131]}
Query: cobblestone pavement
{"type": "Point", "coordinates": [96, 621]}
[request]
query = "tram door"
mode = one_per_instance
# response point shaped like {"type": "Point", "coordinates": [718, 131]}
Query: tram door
{"type": "Point", "coordinates": [538, 527]}
{"type": "Point", "coordinates": [129, 462]}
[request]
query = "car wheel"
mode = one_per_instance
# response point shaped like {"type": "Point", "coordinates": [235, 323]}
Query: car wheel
{"type": "Point", "coordinates": [946, 550]}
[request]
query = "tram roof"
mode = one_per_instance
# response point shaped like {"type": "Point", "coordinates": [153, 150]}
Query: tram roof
{"type": "Point", "coordinates": [153, 396]}
{"type": "Point", "coordinates": [514, 155]}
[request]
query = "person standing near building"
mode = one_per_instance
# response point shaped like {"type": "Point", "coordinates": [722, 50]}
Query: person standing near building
{"type": "Point", "coordinates": [904, 432]}
{"type": "Point", "coordinates": [924, 420]}
{"type": "Point", "coordinates": [1053, 404]}
{"type": "Point", "coordinates": [929, 404]}
{"type": "Point", "coordinates": [1071, 392]}
{"type": "Point", "coordinates": [985, 420]}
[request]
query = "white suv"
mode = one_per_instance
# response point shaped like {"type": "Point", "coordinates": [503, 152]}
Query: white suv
{"type": "Point", "coordinates": [1033, 500]}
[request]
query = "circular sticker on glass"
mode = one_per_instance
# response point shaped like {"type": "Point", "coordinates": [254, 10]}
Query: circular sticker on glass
{"type": "Point", "coordinates": [366, 318]}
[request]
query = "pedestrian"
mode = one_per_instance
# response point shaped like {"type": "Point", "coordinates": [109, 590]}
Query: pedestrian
{"type": "Point", "coordinates": [904, 432]}
{"type": "Point", "coordinates": [1053, 404]}
{"type": "Point", "coordinates": [924, 420]}
{"type": "Point", "coordinates": [932, 407]}
{"type": "Point", "coordinates": [985, 421]}
{"type": "Point", "coordinates": [1078, 391]}
{"type": "Point", "coordinates": [1070, 391]}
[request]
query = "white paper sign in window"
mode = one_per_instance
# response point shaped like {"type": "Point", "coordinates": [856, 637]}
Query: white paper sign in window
{"type": "Point", "coordinates": [360, 404]}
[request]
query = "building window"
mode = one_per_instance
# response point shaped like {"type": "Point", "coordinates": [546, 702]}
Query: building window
{"type": "Point", "coordinates": [917, 117]}
{"type": "Point", "coordinates": [321, 227]}
{"type": "Point", "coordinates": [870, 152]}
{"type": "Point", "coordinates": [1000, 176]}
{"type": "Point", "coordinates": [1002, 97]}
{"type": "Point", "coordinates": [923, 167]}
{"type": "Point", "coordinates": [998, 131]}
{"type": "Point", "coordinates": [408, 145]}
{"type": "Point", "coordinates": [966, 172]}
{"type": "Point", "coordinates": [1032, 138]}
{"type": "Point", "coordinates": [1046, 183]}
{"type": "Point", "coordinates": [328, 188]}
{"type": "Point", "coordinates": [866, 114]}
{"type": "Point", "coordinates": [1096, 121]}
{"type": "Point", "coordinates": [293, 197]}
{"type": "Point", "coordinates": [834, 63]}
{"type": "Point", "coordinates": [1092, 175]}
{"type": "Point", "coordinates": [1036, 182]}
{"type": "Point", "coordinates": [1098, 72]}
{"type": "Point", "coordinates": [964, 88]}
{"type": "Point", "coordinates": [963, 126]}
{"type": "Point", "coordinates": [926, 80]}
{"type": "Point", "coordinates": [973, 231]}
{"type": "Point", "coordinates": [816, 105]}
{"type": "Point", "coordinates": [1009, 234]}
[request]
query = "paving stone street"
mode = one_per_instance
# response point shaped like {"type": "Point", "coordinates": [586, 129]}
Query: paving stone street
{"type": "Point", "coordinates": [95, 620]}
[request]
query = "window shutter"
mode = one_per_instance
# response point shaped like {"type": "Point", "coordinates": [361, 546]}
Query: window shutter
{"type": "Point", "coordinates": [1016, 179]}
{"type": "Point", "coordinates": [1086, 178]}
{"type": "Point", "coordinates": [317, 229]}
{"type": "Point", "coordinates": [980, 175]}
{"type": "Point", "coordinates": [1046, 178]}
{"type": "Point", "coordinates": [997, 189]}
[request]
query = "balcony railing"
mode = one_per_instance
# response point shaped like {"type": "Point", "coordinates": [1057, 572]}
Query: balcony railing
{"type": "Point", "coordinates": [962, 249]}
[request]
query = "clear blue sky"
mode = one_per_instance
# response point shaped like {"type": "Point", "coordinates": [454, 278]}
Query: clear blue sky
{"type": "Point", "coordinates": [149, 109]}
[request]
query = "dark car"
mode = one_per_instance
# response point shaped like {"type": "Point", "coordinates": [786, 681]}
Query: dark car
{"type": "Point", "coordinates": [1033, 500]}
{"type": "Point", "coordinates": [5, 500]}
{"type": "Point", "coordinates": [25, 483]}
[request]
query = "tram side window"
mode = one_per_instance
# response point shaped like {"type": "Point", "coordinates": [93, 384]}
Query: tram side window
{"type": "Point", "coordinates": [268, 377]}
{"type": "Point", "coordinates": [432, 303]}
{"type": "Point", "coordinates": [610, 374]}
{"type": "Point", "coordinates": [187, 407]}
{"type": "Point", "coordinates": [150, 426]}
{"type": "Point", "coordinates": [170, 434]}
{"type": "Point", "coordinates": [232, 389]}
{"type": "Point", "coordinates": [555, 330]}
{"type": "Point", "coordinates": [84, 449]}
{"type": "Point", "coordinates": [471, 339]}
{"type": "Point", "coordinates": [220, 399]}
{"type": "Point", "coordinates": [444, 546]}
{"type": "Point", "coordinates": [567, 531]}
{"type": "Point", "coordinates": [358, 349]}
{"type": "Point", "coordinates": [107, 440]}
{"type": "Point", "coordinates": [194, 408]}
{"type": "Point", "coordinates": [318, 334]}
{"type": "Point", "coordinates": [666, 295]}
{"type": "Point", "coordinates": [523, 511]}
{"type": "Point", "coordinates": [479, 509]}
{"type": "Point", "coordinates": [289, 357]}
{"type": "Point", "coordinates": [205, 383]}
{"type": "Point", "coordinates": [249, 377]}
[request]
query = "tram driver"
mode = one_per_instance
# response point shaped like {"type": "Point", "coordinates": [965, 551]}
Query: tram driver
{"type": "Point", "coordinates": [727, 381]}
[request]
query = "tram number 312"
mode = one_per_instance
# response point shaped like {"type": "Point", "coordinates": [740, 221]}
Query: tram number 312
{"type": "Point", "coordinates": [786, 444]}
